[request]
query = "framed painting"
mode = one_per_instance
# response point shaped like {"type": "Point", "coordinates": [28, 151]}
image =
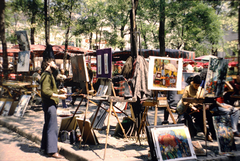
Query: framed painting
{"type": "Point", "coordinates": [104, 63]}
{"type": "Point", "coordinates": [23, 61]}
{"type": "Point", "coordinates": [216, 77]}
{"type": "Point", "coordinates": [22, 105]}
{"type": "Point", "coordinates": [225, 136]}
{"type": "Point", "coordinates": [165, 73]}
{"type": "Point", "coordinates": [7, 107]}
{"type": "Point", "coordinates": [2, 102]}
{"type": "Point", "coordinates": [172, 143]}
{"type": "Point", "coordinates": [79, 69]}
{"type": "Point", "coordinates": [22, 40]}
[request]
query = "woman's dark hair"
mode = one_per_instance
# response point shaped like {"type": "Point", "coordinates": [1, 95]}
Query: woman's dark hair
{"type": "Point", "coordinates": [45, 63]}
{"type": "Point", "coordinates": [197, 79]}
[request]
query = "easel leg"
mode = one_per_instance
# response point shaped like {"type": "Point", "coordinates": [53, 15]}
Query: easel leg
{"type": "Point", "coordinates": [84, 123]}
{"type": "Point", "coordinates": [108, 125]}
{"type": "Point", "coordinates": [170, 112]}
{"type": "Point", "coordinates": [155, 115]}
{"type": "Point", "coordinates": [120, 123]}
{"type": "Point", "coordinates": [204, 126]}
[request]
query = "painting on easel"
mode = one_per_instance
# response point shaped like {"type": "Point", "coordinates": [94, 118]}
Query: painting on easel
{"type": "Point", "coordinates": [79, 69]}
{"type": "Point", "coordinates": [23, 61]}
{"type": "Point", "coordinates": [104, 63]}
{"type": "Point", "coordinates": [164, 73]}
{"type": "Point", "coordinates": [216, 77]}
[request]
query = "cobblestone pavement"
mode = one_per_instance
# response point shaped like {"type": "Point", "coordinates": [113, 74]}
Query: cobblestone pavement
{"type": "Point", "coordinates": [129, 149]}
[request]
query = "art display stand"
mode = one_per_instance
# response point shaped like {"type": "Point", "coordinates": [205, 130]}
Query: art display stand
{"type": "Point", "coordinates": [111, 111]}
{"type": "Point", "coordinates": [156, 102]}
{"type": "Point", "coordinates": [204, 101]}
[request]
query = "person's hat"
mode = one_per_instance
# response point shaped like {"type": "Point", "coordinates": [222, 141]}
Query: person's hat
{"type": "Point", "coordinates": [48, 52]}
{"type": "Point", "coordinates": [38, 68]}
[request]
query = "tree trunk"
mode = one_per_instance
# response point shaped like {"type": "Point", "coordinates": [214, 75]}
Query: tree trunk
{"type": "Point", "coordinates": [33, 21]}
{"type": "Point", "coordinates": [161, 28]}
{"type": "Point", "coordinates": [100, 38]}
{"type": "Point", "coordinates": [238, 37]}
{"type": "Point", "coordinates": [3, 39]}
{"type": "Point", "coordinates": [90, 41]}
{"type": "Point", "coordinates": [46, 21]}
{"type": "Point", "coordinates": [133, 30]}
{"type": "Point", "coordinates": [122, 36]}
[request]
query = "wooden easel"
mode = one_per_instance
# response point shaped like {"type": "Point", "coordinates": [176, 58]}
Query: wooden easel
{"type": "Point", "coordinates": [154, 102]}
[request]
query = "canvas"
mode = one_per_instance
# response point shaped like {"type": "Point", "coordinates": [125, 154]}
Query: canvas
{"type": "Point", "coordinates": [216, 77]}
{"type": "Point", "coordinates": [172, 143]}
{"type": "Point", "coordinates": [102, 90]}
{"type": "Point", "coordinates": [23, 40]}
{"type": "Point", "coordinates": [7, 107]}
{"type": "Point", "coordinates": [88, 132]}
{"type": "Point", "coordinates": [165, 73]}
{"type": "Point", "coordinates": [104, 63]}
{"type": "Point", "coordinates": [225, 136]}
{"type": "Point", "coordinates": [22, 105]}
{"type": "Point", "coordinates": [23, 61]}
{"type": "Point", "coordinates": [2, 101]}
{"type": "Point", "coordinates": [79, 69]}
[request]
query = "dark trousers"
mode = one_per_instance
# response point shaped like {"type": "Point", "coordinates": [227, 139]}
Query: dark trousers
{"type": "Point", "coordinates": [50, 129]}
{"type": "Point", "coordinates": [199, 121]}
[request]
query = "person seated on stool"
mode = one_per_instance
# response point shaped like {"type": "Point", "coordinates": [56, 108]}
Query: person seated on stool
{"type": "Point", "coordinates": [194, 91]}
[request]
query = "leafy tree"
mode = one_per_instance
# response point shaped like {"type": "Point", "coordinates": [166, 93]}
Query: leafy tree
{"type": "Point", "coordinates": [63, 11]}
{"type": "Point", "coordinates": [32, 9]}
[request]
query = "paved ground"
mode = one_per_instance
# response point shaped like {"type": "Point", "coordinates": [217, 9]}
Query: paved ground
{"type": "Point", "coordinates": [14, 147]}
{"type": "Point", "coordinates": [30, 126]}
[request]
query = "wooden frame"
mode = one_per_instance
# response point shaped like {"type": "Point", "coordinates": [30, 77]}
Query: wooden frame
{"type": "Point", "coordinates": [165, 73]}
{"type": "Point", "coordinates": [2, 102]}
{"type": "Point", "coordinates": [7, 107]}
{"type": "Point", "coordinates": [22, 105]}
{"type": "Point", "coordinates": [172, 143]}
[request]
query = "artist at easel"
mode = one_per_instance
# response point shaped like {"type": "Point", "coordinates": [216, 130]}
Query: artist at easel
{"type": "Point", "coordinates": [191, 109]}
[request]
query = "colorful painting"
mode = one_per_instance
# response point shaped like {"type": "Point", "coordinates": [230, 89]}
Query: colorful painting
{"type": "Point", "coordinates": [22, 105]}
{"type": "Point", "coordinates": [165, 73]}
{"type": "Point", "coordinates": [23, 61]}
{"type": "Point", "coordinates": [104, 63]}
{"type": "Point", "coordinates": [216, 77]}
{"type": "Point", "coordinates": [173, 143]}
{"type": "Point", "coordinates": [225, 136]}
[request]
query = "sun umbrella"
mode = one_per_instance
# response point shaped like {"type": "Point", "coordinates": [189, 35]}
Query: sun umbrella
{"type": "Point", "coordinates": [170, 67]}
{"type": "Point", "coordinates": [205, 58]}
{"type": "Point", "coordinates": [233, 64]}
{"type": "Point", "coordinates": [188, 61]}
